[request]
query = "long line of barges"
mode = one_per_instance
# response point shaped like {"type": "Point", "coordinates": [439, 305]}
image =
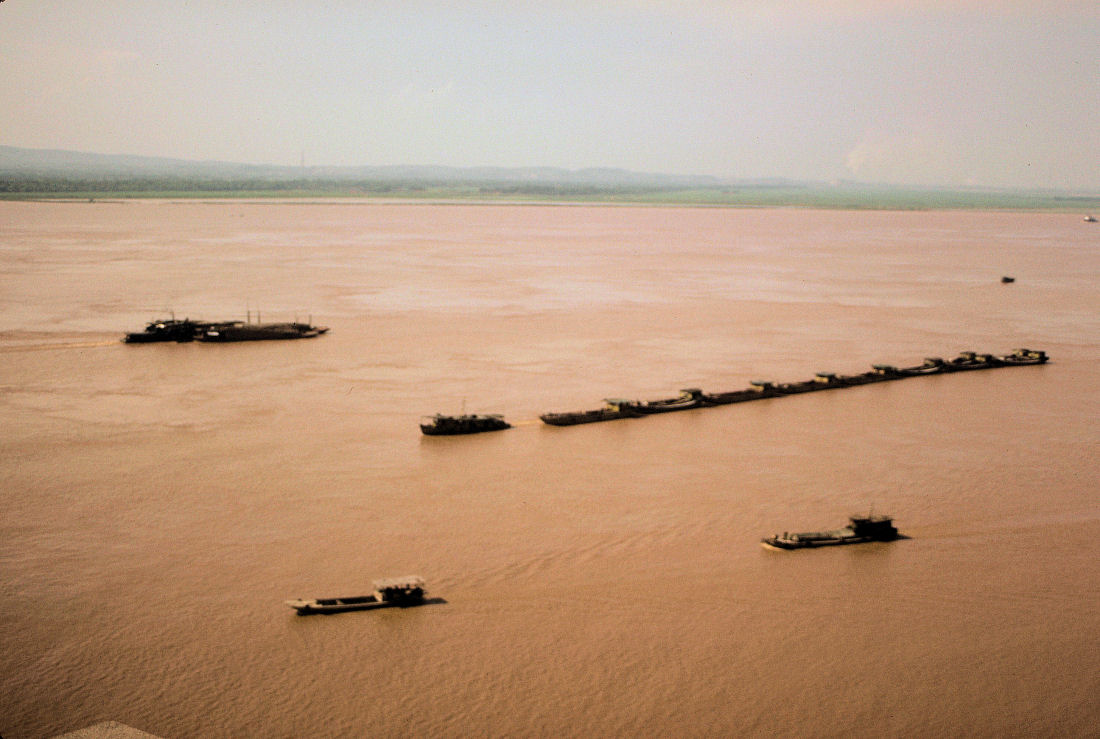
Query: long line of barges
{"type": "Point", "coordinates": [695, 398]}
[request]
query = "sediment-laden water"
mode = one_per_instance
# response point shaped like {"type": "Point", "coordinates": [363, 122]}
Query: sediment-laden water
{"type": "Point", "coordinates": [160, 502]}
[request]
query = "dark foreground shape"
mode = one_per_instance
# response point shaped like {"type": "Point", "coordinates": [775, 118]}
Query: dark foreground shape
{"type": "Point", "coordinates": [167, 330]}
{"type": "Point", "coordinates": [238, 331]}
{"type": "Point", "coordinates": [860, 530]}
{"type": "Point", "coordinates": [394, 592]}
{"type": "Point", "coordinates": [440, 425]}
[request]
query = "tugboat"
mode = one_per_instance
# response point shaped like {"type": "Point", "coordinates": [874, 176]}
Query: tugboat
{"type": "Point", "coordinates": [860, 529]}
{"type": "Point", "coordinates": [399, 592]}
{"type": "Point", "coordinates": [467, 423]}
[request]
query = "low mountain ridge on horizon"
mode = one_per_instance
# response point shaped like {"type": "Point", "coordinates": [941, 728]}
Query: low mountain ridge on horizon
{"type": "Point", "coordinates": [23, 162]}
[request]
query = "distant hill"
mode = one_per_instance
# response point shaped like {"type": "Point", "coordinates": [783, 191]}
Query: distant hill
{"type": "Point", "coordinates": [53, 173]}
{"type": "Point", "coordinates": [57, 163]}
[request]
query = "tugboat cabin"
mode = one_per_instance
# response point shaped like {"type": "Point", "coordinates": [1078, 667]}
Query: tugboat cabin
{"type": "Point", "coordinates": [399, 590]}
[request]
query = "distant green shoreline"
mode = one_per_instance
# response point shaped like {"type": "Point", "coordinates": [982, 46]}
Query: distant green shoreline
{"type": "Point", "coordinates": [841, 197]}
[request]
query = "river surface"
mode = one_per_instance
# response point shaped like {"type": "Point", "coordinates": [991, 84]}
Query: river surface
{"type": "Point", "coordinates": [160, 502]}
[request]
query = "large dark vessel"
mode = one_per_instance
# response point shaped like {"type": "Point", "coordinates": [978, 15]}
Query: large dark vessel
{"type": "Point", "coordinates": [467, 423]}
{"type": "Point", "coordinates": [860, 529]}
{"type": "Point", "coordinates": [239, 331]}
{"type": "Point", "coordinates": [400, 591]}
{"type": "Point", "coordinates": [168, 329]}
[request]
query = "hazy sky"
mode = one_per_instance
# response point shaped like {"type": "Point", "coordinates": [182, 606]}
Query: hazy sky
{"type": "Point", "coordinates": [948, 92]}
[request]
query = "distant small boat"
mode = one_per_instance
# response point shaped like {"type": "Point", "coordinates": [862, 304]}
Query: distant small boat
{"type": "Point", "coordinates": [400, 592]}
{"type": "Point", "coordinates": [860, 529]}
{"type": "Point", "coordinates": [467, 423]}
{"type": "Point", "coordinates": [1090, 219]}
{"type": "Point", "coordinates": [1006, 279]}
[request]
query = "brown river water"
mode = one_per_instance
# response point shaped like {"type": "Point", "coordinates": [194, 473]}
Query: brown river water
{"type": "Point", "coordinates": [160, 502]}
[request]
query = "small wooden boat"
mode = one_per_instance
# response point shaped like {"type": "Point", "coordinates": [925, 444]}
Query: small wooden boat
{"type": "Point", "coordinates": [400, 592]}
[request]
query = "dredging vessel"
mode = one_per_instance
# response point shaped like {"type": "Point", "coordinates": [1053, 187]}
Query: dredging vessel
{"type": "Point", "coordinates": [860, 530]}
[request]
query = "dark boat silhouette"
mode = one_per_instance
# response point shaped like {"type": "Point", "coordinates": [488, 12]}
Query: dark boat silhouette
{"type": "Point", "coordinates": [240, 331]}
{"type": "Point", "coordinates": [860, 530]}
{"type": "Point", "coordinates": [167, 329]}
{"type": "Point", "coordinates": [467, 423]}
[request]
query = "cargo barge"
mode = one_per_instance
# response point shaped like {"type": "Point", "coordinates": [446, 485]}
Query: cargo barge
{"type": "Point", "coordinates": [612, 410]}
{"type": "Point", "coordinates": [400, 592]}
{"type": "Point", "coordinates": [860, 530]}
{"type": "Point", "coordinates": [220, 331]}
{"type": "Point", "coordinates": [239, 331]}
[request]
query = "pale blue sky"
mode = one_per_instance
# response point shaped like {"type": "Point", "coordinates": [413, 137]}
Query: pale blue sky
{"type": "Point", "coordinates": [925, 92]}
